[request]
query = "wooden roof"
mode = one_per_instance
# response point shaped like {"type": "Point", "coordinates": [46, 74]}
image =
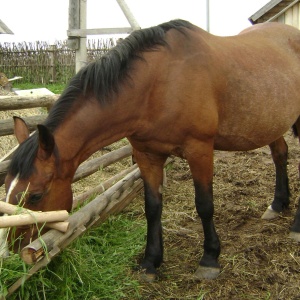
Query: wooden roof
{"type": "Point", "coordinates": [270, 10]}
{"type": "Point", "coordinates": [4, 28]}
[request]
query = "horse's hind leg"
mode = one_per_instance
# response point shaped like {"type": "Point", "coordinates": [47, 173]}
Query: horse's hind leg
{"type": "Point", "coordinates": [281, 200]}
{"type": "Point", "coordinates": [295, 229]}
{"type": "Point", "coordinates": [151, 167]}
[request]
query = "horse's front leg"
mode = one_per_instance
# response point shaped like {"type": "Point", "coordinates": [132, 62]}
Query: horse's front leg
{"type": "Point", "coordinates": [151, 167]}
{"type": "Point", "coordinates": [200, 158]}
{"type": "Point", "coordinates": [279, 150]}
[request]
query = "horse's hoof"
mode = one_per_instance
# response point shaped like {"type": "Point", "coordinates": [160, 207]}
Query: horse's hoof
{"type": "Point", "coordinates": [147, 277]}
{"type": "Point", "coordinates": [295, 236]}
{"type": "Point", "coordinates": [270, 214]}
{"type": "Point", "coordinates": [207, 272]}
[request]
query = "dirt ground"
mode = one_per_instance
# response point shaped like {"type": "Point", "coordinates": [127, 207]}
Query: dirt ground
{"type": "Point", "coordinates": [258, 259]}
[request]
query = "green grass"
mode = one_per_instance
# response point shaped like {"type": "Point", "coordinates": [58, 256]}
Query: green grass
{"type": "Point", "coordinates": [55, 88]}
{"type": "Point", "coordinates": [97, 265]}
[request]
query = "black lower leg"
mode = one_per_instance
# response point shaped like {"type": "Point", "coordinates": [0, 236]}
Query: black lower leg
{"type": "Point", "coordinates": [154, 248]}
{"type": "Point", "coordinates": [296, 225]}
{"type": "Point", "coordinates": [205, 209]}
{"type": "Point", "coordinates": [281, 197]}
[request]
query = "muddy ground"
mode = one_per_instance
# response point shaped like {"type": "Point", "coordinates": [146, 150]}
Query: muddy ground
{"type": "Point", "coordinates": [258, 259]}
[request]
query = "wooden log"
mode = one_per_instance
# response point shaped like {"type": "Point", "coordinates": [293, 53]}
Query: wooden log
{"type": "Point", "coordinates": [33, 218]}
{"type": "Point", "coordinates": [21, 102]}
{"type": "Point", "coordinates": [85, 217]}
{"type": "Point", "coordinates": [78, 200]}
{"type": "Point", "coordinates": [10, 209]}
{"type": "Point", "coordinates": [60, 226]}
{"type": "Point", "coordinates": [89, 167]}
{"type": "Point", "coordinates": [7, 126]}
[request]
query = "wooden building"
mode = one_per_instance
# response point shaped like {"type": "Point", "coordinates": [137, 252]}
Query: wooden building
{"type": "Point", "coordinates": [282, 11]}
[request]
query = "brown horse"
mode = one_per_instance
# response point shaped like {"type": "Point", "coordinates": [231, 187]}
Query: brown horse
{"type": "Point", "coordinates": [173, 89]}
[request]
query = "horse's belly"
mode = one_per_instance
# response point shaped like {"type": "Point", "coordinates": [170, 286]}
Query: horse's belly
{"type": "Point", "coordinates": [237, 143]}
{"type": "Point", "coordinates": [250, 137]}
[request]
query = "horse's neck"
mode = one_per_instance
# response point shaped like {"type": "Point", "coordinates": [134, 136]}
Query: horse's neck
{"type": "Point", "coordinates": [92, 127]}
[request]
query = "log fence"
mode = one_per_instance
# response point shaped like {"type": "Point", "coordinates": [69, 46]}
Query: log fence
{"type": "Point", "coordinates": [111, 196]}
{"type": "Point", "coordinates": [41, 62]}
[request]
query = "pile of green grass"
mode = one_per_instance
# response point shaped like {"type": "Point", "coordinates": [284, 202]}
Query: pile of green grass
{"type": "Point", "coordinates": [97, 265]}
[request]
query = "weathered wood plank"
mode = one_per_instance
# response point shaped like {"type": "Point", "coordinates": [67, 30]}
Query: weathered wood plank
{"type": "Point", "coordinates": [102, 187]}
{"type": "Point", "coordinates": [89, 167]}
{"type": "Point", "coordinates": [95, 31]}
{"type": "Point", "coordinates": [7, 126]}
{"type": "Point", "coordinates": [21, 102]}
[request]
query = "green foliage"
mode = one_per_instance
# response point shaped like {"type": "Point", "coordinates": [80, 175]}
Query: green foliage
{"type": "Point", "coordinates": [96, 266]}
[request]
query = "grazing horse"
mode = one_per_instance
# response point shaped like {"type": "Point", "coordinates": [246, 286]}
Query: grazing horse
{"type": "Point", "coordinates": [172, 89]}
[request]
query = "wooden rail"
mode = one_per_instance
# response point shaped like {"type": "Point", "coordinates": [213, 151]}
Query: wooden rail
{"type": "Point", "coordinates": [22, 102]}
{"type": "Point", "coordinates": [7, 126]}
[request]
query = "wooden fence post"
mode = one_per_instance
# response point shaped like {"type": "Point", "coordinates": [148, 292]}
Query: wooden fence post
{"type": "Point", "coordinates": [52, 52]}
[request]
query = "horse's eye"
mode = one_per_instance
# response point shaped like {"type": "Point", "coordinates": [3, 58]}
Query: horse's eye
{"type": "Point", "coordinates": [34, 198]}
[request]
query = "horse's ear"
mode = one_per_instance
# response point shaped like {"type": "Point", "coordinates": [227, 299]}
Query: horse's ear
{"type": "Point", "coordinates": [20, 129]}
{"type": "Point", "coordinates": [46, 142]}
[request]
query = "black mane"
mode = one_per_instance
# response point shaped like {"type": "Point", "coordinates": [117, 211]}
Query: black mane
{"type": "Point", "coordinates": [102, 78]}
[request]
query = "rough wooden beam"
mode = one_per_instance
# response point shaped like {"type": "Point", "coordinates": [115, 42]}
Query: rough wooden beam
{"type": "Point", "coordinates": [33, 218]}
{"type": "Point", "coordinates": [10, 209]}
{"type": "Point", "coordinates": [128, 14]}
{"type": "Point", "coordinates": [89, 167]}
{"type": "Point", "coordinates": [76, 33]}
{"type": "Point", "coordinates": [4, 28]}
{"type": "Point", "coordinates": [101, 188]}
{"type": "Point", "coordinates": [7, 126]}
{"type": "Point", "coordinates": [21, 102]}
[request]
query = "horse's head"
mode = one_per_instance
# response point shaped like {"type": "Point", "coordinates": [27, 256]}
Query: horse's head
{"type": "Point", "coordinates": [36, 179]}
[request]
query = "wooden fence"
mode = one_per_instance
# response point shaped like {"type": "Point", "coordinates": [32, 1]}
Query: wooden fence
{"type": "Point", "coordinates": [43, 63]}
{"type": "Point", "coordinates": [113, 194]}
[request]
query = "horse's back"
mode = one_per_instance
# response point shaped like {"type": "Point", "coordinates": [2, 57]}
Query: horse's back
{"type": "Point", "coordinates": [259, 99]}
